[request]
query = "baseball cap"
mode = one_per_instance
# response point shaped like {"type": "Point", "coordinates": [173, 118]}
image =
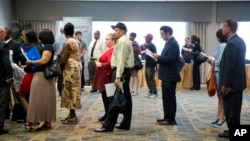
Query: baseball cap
{"type": "Point", "coordinates": [120, 25]}
{"type": "Point", "coordinates": [149, 36]}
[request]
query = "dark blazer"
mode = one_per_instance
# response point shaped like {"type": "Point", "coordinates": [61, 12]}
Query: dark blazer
{"type": "Point", "coordinates": [168, 66]}
{"type": "Point", "coordinates": [232, 66]}
{"type": "Point", "coordinates": [14, 45]}
{"type": "Point", "coordinates": [6, 70]}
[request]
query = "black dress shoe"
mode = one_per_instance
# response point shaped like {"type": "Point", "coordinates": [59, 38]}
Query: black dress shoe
{"type": "Point", "coordinates": [225, 134]}
{"type": "Point", "coordinates": [103, 130]}
{"type": "Point", "coordinates": [122, 127]}
{"type": "Point", "coordinates": [167, 123]}
{"type": "Point", "coordinates": [160, 120]}
{"type": "Point", "coordinates": [100, 119]}
{"type": "Point", "coordinates": [93, 91]}
{"type": "Point", "coordinates": [195, 88]}
{"type": "Point", "coordinates": [3, 131]}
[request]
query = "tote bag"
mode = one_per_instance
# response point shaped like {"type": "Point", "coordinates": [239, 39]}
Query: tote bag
{"type": "Point", "coordinates": [211, 81]}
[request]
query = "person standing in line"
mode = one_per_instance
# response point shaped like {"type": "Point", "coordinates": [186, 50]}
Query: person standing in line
{"type": "Point", "coordinates": [134, 84]}
{"type": "Point", "coordinates": [6, 75]}
{"type": "Point", "coordinates": [232, 75]}
{"type": "Point", "coordinates": [169, 74]}
{"type": "Point", "coordinates": [71, 65]}
{"type": "Point", "coordinates": [30, 39]}
{"type": "Point", "coordinates": [196, 64]}
{"type": "Point", "coordinates": [14, 46]}
{"type": "Point", "coordinates": [83, 49]}
{"type": "Point", "coordinates": [58, 45]}
{"type": "Point", "coordinates": [104, 72]}
{"type": "Point", "coordinates": [122, 61]}
{"type": "Point", "coordinates": [42, 101]}
{"type": "Point", "coordinates": [150, 65]}
{"type": "Point", "coordinates": [219, 118]}
{"type": "Point", "coordinates": [95, 49]}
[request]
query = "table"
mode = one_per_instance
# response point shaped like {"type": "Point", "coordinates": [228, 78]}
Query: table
{"type": "Point", "coordinates": [248, 75]}
{"type": "Point", "coordinates": [186, 77]}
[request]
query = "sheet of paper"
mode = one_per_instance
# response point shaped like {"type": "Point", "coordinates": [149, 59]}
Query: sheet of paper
{"type": "Point", "coordinates": [24, 54]}
{"type": "Point", "coordinates": [149, 53]}
{"type": "Point", "coordinates": [110, 89]}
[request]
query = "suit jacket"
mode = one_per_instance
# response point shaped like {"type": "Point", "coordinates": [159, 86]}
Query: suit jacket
{"type": "Point", "coordinates": [168, 62]}
{"type": "Point", "coordinates": [14, 45]}
{"type": "Point", "coordinates": [6, 70]}
{"type": "Point", "coordinates": [232, 66]}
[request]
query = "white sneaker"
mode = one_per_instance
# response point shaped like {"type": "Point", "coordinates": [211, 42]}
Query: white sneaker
{"type": "Point", "coordinates": [147, 95]}
{"type": "Point", "coordinates": [153, 96]}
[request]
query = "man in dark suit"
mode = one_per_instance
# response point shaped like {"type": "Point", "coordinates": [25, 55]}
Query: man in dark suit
{"type": "Point", "coordinates": [6, 75]}
{"type": "Point", "coordinates": [14, 46]}
{"type": "Point", "coordinates": [169, 74]}
{"type": "Point", "coordinates": [232, 75]}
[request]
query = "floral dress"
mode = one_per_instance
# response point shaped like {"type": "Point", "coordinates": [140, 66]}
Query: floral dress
{"type": "Point", "coordinates": [71, 89]}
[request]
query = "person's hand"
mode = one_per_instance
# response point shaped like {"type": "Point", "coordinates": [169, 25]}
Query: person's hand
{"type": "Point", "coordinates": [98, 64]}
{"type": "Point", "coordinates": [28, 63]}
{"type": "Point", "coordinates": [225, 90]}
{"type": "Point", "coordinates": [8, 81]}
{"type": "Point", "coordinates": [155, 55]}
{"type": "Point", "coordinates": [143, 52]}
{"type": "Point", "coordinates": [117, 82]}
{"type": "Point", "coordinates": [21, 66]}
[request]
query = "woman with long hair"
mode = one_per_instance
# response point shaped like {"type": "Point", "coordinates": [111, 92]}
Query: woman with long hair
{"type": "Point", "coordinates": [29, 39]}
{"type": "Point", "coordinates": [42, 101]}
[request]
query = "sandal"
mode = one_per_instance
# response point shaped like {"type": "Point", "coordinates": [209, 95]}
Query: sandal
{"type": "Point", "coordinates": [68, 117]}
{"type": "Point", "coordinates": [30, 128]}
{"type": "Point", "coordinates": [70, 121]}
{"type": "Point", "coordinates": [47, 126]}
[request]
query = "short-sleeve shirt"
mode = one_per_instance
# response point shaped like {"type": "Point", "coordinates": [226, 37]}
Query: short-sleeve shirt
{"type": "Point", "coordinates": [50, 48]}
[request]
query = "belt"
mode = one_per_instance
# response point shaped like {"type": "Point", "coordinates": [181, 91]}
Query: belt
{"type": "Point", "coordinates": [93, 59]}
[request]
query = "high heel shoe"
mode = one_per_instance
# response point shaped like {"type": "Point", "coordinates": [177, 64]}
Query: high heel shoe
{"type": "Point", "coordinates": [220, 124]}
{"type": "Point", "coordinates": [47, 126]}
{"type": "Point", "coordinates": [70, 120]}
{"type": "Point", "coordinates": [31, 128]}
{"type": "Point", "coordinates": [215, 122]}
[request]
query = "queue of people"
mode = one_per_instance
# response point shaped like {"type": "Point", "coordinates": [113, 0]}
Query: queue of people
{"type": "Point", "coordinates": [116, 62]}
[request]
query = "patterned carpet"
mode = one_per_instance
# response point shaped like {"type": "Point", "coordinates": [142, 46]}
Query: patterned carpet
{"type": "Point", "coordinates": [195, 111]}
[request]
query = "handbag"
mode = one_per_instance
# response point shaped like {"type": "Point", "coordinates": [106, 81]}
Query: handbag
{"type": "Point", "coordinates": [52, 69]}
{"type": "Point", "coordinates": [138, 64]}
{"type": "Point", "coordinates": [201, 58]}
{"type": "Point", "coordinates": [211, 82]}
{"type": "Point", "coordinates": [118, 102]}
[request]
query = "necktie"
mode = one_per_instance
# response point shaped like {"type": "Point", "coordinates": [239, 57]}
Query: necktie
{"type": "Point", "coordinates": [93, 48]}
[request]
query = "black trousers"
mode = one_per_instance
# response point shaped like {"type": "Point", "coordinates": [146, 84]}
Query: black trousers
{"type": "Point", "coordinates": [169, 100]}
{"type": "Point", "coordinates": [82, 78]}
{"type": "Point", "coordinates": [106, 102]}
{"type": "Point", "coordinates": [4, 103]}
{"type": "Point", "coordinates": [232, 104]}
{"type": "Point", "coordinates": [92, 67]}
{"type": "Point", "coordinates": [111, 119]}
{"type": "Point", "coordinates": [59, 83]}
{"type": "Point", "coordinates": [196, 75]}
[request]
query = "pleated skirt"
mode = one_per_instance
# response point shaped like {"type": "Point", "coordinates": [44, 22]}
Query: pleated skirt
{"type": "Point", "coordinates": [42, 101]}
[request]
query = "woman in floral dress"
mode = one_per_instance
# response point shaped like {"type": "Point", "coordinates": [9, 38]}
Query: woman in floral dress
{"type": "Point", "coordinates": [71, 66]}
